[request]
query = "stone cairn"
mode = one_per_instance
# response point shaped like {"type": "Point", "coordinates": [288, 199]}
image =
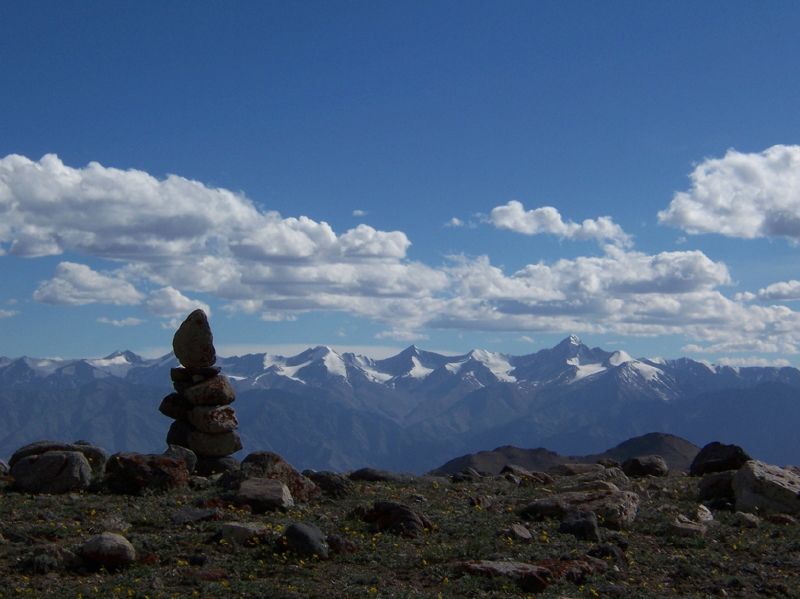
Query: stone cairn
{"type": "Point", "coordinates": [205, 422]}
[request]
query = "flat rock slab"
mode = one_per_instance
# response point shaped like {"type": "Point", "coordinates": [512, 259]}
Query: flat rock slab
{"type": "Point", "coordinates": [530, 578]}
{"type": "Point", "coordinates": [614, 509]}
{"type": "Point", "coordinates": [52, 472]}
{"type": "Point", "coordinates": [264, 494]}
{"type": "Point", "coordinates": [193, 342]}
{"type": "Point", "coordinates": [761, 487]}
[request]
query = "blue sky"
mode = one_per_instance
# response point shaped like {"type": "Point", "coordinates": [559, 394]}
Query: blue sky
{"type": "Point", "coordinates": [370, 174]}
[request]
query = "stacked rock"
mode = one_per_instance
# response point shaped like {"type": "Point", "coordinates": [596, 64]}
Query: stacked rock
{"type": "Point", "coordinates": [205, 422]}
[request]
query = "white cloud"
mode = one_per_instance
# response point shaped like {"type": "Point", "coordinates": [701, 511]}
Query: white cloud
{"type": "Point", "coordinates": [77, 284]}
{"type": "Point", "coordinates": [8, 313]}
{"type": "Point", "coordinates": [782, 291]}
{"type": "Point", "coordinates": [745, 195]}
{"type": "Point", "coordinates": [455, 223]}
{"type": "Point", "coordinates": [401, 335]}
{"type": "Point", "coordinates": [359, 213]}
{"type": "Point", "coordinates": [513, 217]}
{"type": "Point", "coordinates": [277, 317]}
{"type": "Point", "coordinates": [168, 302]}
{"type": "Point", "coordinates": [124, 322]}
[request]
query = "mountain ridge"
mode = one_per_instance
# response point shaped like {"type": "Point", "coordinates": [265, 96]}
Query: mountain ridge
{"type": "Point", "coordinates": [415, 410]}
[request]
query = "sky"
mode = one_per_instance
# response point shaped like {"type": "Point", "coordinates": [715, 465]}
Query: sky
{"type": "Point", "coordinates": [368, 175]}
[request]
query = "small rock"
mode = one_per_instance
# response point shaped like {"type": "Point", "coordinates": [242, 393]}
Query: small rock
{"type": "Point", "coordinates": [608, 463]}
{"type": "Point", "coordinates": [193, 342]}
{"type": "Point", "coordinates": [340, 545]}
{"type": "Point", "coordinates": [51, 472]}
{"type": "Point", "coordinates": [703, 514]}
{"type": "Point", "coordinates": [747, 520]}
{"type": "Point", "coordinates": [646, 465]}
{"type": "Point", "coordinates": [516, 532]}
{"type": "Point", "coordinates": [683, 527]}
{"type": "Point", "coordinates": [467, 475]}
{"type": "Point", "coordinates": [242, 533]}
{"type": "Point", "coordinates": [609, 550]}
{"type": "Point", "coordinates": [717, 457]}
{"type": "Point", "coordinates": [582, 525]}
{"type": "Point", "coordinates": [213, 392]}
{"type": "Point", "coordinates": [264, 494]}
{"type": "Point", "coordinates": [535, 477]}
{"type": "Point", "coordinates": [115, 524]}
{"type": "Point", "coordinates": [306, 540]}
{"type": "Point", "coordinates": [108, 550]}
{"type": "Point", "coordinates": [396, 518]}
{"type": "Point", "coordinates": [178, 433]}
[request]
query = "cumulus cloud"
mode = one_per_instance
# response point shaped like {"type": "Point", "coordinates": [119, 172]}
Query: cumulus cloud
{"type": "Point", "coordinates": [513, 217]}
{"type": "Point", "coordinates": [781, 292]}
{"type": "Point", "coordinates": [8, 313]}
{"type": "Point", "coordinates": [77, 284]}
{"type": "Point", "coordinates": [168, 301]}
{"type": "Point", "coordinates": [752, 361]}
{"type": "Point", "coordinates": [123, 322]}
{"type": "Point", "coordinates": [359, 213]}
{"type": "Point", "coordinates": [745, 195]}
{"type": "Point", "coordinates": [455, 223]}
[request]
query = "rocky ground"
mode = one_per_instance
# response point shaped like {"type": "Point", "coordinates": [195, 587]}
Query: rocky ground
{"type": "Point", "coordinates": [579, 532]}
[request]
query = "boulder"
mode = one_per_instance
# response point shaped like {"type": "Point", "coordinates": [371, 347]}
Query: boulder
{"type": "Point", "coordinates": [396, 518]}
{"type": "Point", "coordinates": [213, 392]}
{"type": "Point", "coordinates": [331, 484]}
{"type": "Point", "coordinates": [716, 457]}
{"type": "Point", "coordinates": [582, 525]}
{"type": "Point", "coordinates": [266, 464]}
{"type": "Point", "coordinates": [179, 452]}
{"type": "Point", "coordinates": [133, 473]}
{"type": "Point", "coordinates": [762, 487]}
{"type": "Point", "coordinates": [214, 445]}
{"type": "Point", "coordinates": [51, 472]}
{"type": "Point", "coordinates": [646, 465]}
{"type": "Point", "coordinates": [614, 509]}
{"type": "Point", "coordinates": [108, 550]}
{"type": "Point", "coordinates": [305, 540]}
{"type": "Point", "coordinates": [264, 494]}
{"type": "Point", "coordinates": [213, 419]}
{"type": "Point", "coordinates": [516, 532]}
{"type": "Point", "coordinates": [96, 456]}
{"type": "Point", "coordinates": [716, 488]}
{"type": "Point", "coordinates": [193, 342]}
{"type": "Point", "coordinates": [178, 433]}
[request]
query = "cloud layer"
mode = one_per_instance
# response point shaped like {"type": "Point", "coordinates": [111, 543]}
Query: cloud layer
{"type": "Point", "coordinates": [742, 195]}
{"type": "Point", "coordinates": [175, 244]}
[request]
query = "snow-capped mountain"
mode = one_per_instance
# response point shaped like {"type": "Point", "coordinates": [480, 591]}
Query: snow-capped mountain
{"type": "Point", "coordinates": [413, 410]}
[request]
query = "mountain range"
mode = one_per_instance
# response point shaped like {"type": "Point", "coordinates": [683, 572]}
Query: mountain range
{"type": "Point", "coordinates": [415, 410]}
